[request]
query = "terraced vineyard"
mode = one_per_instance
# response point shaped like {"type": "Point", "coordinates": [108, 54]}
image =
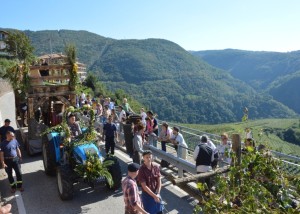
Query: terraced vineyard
{"type": "Point", "coordinates": [264, 131]}
{"type": "Point", "coordinates": [289, 153]}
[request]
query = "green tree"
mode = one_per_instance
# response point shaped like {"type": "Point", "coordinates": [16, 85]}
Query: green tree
{"type": "Point", "coordinates": [4, 65]}
{"type": "Point", "coordinates": [19, 45]}
{"type": "Point", "coordinates": [91, 81]}
{"type": "Point", "coordinates": [257, 185]}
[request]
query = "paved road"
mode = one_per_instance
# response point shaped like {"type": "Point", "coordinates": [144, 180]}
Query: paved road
{"type": "Point", "coordinates": [40, 195]}
{"type": "Point", "coordinates": [7, 108]}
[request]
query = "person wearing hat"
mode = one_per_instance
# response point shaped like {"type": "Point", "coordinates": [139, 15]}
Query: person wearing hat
{"type": "Point", "coordinates": [150, 179]}
{"type": "Point", "coordinates": [131, 195]}
{"type": "Point", "coordinates": [5, 128]}
{"type": "Point", "coordinates": [10, 155]}
{"type": "Point", "coordinates": [179, 143]}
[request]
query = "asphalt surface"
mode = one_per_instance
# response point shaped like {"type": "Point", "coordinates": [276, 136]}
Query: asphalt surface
{"type": "Point", "coordinates": [41, 195]}
{"type": "Point", "coordinates": [7, 108]}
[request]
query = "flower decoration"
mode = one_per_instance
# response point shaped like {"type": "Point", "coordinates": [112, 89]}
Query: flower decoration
{"type": "Point", "coordinates": [94, 168]}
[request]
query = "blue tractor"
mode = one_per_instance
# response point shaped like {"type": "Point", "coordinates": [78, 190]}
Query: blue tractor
{"type": "Point", "coordinates": [72, 163]}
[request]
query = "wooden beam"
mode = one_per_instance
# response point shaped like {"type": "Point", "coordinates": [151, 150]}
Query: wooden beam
{"type": "Point", "coordinates": [49, 67]}
{"type": "Point", "coordinates": [50, 94]}
{"type": "Point", "coordinates": [44, 78]}
{"type": "Point", "coordinates": [178, 181]}
{"type": "Point", "coordinates": [30, 107]}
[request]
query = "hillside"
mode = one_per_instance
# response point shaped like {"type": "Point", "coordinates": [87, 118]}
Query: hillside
{"type": "Point", "coordinates": [286, 90]}
{"type": "Point", "coordinates": [164, 77]}
{"type": "Point", "coordinates": [271, 72]}
{"type": "Point", "coordinates": [257, 68]}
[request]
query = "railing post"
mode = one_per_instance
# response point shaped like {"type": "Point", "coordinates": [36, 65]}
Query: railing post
{"type": "Point", "coordinates": [236, 147]}
{"type": "Point", "coordinates": [180, 172]}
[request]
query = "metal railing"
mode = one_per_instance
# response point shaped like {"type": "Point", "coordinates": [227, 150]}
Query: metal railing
{"type": "Point", "coordinates": [290, 163]}
{"type": "Point", "coordinates": [181, 164]}
{"type": "Point", "coordinates": [192, 137]}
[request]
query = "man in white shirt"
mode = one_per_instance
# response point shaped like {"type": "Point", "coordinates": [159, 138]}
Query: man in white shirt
{"type": "Point", "coordinates": [122, 114]}
{"type": "Point", "coordinates": [179, 143]}
{"type": "Point", "coordinates": [143, 116]}
{"type": "Point", "coordinates": [82, 99]}
{"type": "Point", "coordinates": [122, 118]}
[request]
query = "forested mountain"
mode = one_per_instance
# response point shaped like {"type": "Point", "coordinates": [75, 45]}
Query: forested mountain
{"type": "Point", "coordinates": [271, 72]}
{"type": "Point", "coordinates": [164, 77]}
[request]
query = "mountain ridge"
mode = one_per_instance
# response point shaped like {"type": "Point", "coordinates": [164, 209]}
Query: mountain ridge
{"type": "Point", "coordinates": [261, 70]}
{"type": "Point", "coordinates": [164, 77]}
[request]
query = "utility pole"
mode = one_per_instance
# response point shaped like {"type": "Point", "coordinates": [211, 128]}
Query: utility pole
{"type": "Point", "coordinates": [50, 46]}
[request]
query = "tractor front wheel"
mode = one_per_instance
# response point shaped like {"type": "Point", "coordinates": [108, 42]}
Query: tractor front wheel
{"type": "Point", "coordinates": [48, 158]}
{"type": "Point", "coordinates": [64, 177]}
{"type": "Point", "coordinates": [115, 171]}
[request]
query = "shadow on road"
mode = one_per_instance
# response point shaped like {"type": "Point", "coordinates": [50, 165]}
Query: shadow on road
{"type": "Point", "coordinates": [41, 194]}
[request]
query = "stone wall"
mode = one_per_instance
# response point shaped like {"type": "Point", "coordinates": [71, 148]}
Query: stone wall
{"type": "Point", "coordinates": [7, 103]}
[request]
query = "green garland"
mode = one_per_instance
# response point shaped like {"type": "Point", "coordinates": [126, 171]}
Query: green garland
{"type": "Point", "coordinates": [89, 136]}
{"type": "Point", "coordinates": [258, 185]}
{"type": "Point", "coordinates": [71, 54]}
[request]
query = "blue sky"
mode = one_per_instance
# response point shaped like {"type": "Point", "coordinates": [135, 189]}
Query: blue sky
{"type": "Point", "coordinates": [269, 25]}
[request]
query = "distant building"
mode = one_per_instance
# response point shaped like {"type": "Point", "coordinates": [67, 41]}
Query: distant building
{"type": "Point", "coordinates": [3, 37]}
{"type": "Point", "coordinates": [54, 58]}
{"type": "Point", "coordinates": [3, 45]}
{"type": "Point", "coordinates": [81, 71]}
{"type": "Point", "coordinates": [62, 59]}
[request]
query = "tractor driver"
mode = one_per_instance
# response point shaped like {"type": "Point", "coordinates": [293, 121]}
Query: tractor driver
{"type": "Point", "coordinates": [74, 126]}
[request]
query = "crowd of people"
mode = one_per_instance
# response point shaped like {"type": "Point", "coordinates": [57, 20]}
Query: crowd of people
{"type": "Point", "coordinates": [145, 130]}
{"type": "Point", "coordinates": [143, 170]}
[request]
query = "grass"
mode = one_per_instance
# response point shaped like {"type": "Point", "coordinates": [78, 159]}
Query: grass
{"type": "Point", "coordinates": [264, 132]}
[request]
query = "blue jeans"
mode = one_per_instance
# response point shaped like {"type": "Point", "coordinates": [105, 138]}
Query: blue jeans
{"type": "Point", "coordinates": [164, 146]}
{"type": "Point", "coordinates": [150, 205]}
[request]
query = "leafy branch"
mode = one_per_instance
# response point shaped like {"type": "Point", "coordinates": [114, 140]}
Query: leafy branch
{"type": "Point", "coordinates": [94, 168]}
{"type": "Point", "coordinates": [71, 57]}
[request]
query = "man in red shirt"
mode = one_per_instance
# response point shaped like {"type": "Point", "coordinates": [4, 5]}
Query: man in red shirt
{"type": "Point", "coordinates": [150, 180]}
{"type": "Point", "coordinates": [130, 191]}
